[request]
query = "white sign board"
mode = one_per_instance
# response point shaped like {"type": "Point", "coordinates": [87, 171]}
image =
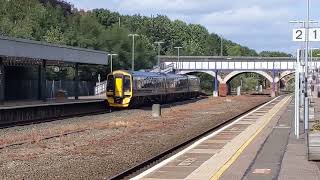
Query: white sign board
{"type": "Point", "coordinates": [314, 34]}
{"type": "Point", "coordinates": [299, 34]}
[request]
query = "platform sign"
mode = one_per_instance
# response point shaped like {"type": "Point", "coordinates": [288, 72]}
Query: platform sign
{"type": "Point", "coordinates": [299, 34]}
{"type": "Point", "coordinates": [314, 34]}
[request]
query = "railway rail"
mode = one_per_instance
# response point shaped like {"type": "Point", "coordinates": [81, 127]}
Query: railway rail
{"type": "Point", "coordinates": [39, 113]}
{"type": "Point", "coordinates": [137, 169]}
{"type": "Point", "coordinates": [45, 112]}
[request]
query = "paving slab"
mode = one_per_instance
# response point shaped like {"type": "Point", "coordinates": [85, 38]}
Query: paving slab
{"type": "Point", "coordinates": [217, 150]}
{"type": "Point", "coordinates": [275, 154]}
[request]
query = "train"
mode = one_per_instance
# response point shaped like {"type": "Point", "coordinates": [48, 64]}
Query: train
{"type": "Point", "coordinates": [135, 88]}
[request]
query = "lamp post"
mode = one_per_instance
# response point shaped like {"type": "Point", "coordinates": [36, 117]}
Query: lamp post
{"type": "Point", "coordinates": [306, 56]}
{"type": "Point", "coordinates": [178, 48]}
{"type": "Point", "coordinates": [221, 45]}
{"type": "Point", "coordinates": [133, 37]}
{"type": "Point", "coordinates": [159, 51]}
{"type": "Point", "coordinates": [111, 62]}
{"type": "Point", "coordinates": [304, 95]}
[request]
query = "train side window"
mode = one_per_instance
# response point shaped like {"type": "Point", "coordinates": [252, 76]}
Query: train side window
{"type": "Point", "coordinates": [126, 84]}
{"type": "Point", "coordinates": [110, 83]}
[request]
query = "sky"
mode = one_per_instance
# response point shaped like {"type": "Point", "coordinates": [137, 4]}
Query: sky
{"type": "Point", "coordinates": [258, 24]}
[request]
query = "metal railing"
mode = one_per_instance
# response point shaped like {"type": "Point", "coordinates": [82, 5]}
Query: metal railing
{"type": "Point", "coordinates": [100, 88]}
{"type": "Point", "coordinates": [163, 68]}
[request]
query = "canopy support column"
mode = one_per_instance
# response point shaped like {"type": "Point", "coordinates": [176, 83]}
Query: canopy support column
{"type": "Point", "coordinates": [76, 81]}
{"type": "Point", "coordinates": [2, 82]}
{"type": "Point", "coordinates": [42, 81]}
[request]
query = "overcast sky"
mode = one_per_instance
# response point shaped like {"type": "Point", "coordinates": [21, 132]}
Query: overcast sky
{"type": "Point", "coordinates": [258, 24]}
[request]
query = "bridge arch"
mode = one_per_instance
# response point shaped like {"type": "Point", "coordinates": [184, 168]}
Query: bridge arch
{"type": "Point", "coordinates": [286, 73]}
{"type": "Point", "coordinates": [235, 73]}
{"type": "Point", "coordinates": [285, 77]}
{"type": "Point", "coordinates": [212, 73]}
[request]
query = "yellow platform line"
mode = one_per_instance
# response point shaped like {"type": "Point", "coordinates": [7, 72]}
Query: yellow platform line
{"type": "Point", "coordinates": [235, 156]}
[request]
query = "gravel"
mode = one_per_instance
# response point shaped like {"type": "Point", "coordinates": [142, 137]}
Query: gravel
{"type": "Point", "coordinates": [100, 146]}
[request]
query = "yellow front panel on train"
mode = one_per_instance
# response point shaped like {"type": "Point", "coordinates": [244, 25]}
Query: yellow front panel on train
{"type": "Point", "coordinates": [118, 88]}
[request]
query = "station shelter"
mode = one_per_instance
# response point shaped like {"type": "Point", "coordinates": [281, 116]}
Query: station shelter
{"type": "Point", "coordinates": [24, 64]}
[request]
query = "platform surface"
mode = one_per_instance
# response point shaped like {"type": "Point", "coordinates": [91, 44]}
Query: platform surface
{"type": "Point", "coordinates": [209, 158]}
{"type": "Point", "coordinates": [273, 153]}
{"type": "Point", "coordinates": [35, 103]}
{"type": "Point", "coordinates": [276, 154]}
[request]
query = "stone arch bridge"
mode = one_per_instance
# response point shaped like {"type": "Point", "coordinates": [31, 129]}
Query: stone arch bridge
{"type": "Point", "coordinates": [223, 69]}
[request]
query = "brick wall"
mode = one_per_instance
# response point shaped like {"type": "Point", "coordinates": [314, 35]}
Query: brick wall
{"type": "Point", "coordinates": [223, 90]}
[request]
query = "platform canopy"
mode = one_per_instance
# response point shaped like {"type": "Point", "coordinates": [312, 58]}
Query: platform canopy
{"type": "Point", "coordinates": [35, 50]}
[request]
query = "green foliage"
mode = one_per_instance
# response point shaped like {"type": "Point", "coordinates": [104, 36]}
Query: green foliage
{"type": "Point", "coordinates": [235, 51]}
{"type": "Point", "coordinates": [249, 81]}
{"type": "Point", "coordinates": [207, 82]}
{"type": "Point", "coordinates": [274, 54]}
{"type": "Point", "coordinates": [316, 53]}
{"type": "Point", "coordinates": [316, 126]}
{"type": "Point", "coordinates": [99, 29]}
{"type": "Point", "coordinates": [20, 18]}
{"type": "Point", "coordinates": [54, 35]}
{"type": "Point", "coordinates": [290, 85]}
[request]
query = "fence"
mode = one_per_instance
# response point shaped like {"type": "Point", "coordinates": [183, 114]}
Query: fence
{"type": "Point", "coordinates": [86, 88]}
{"type": "Point", "coordinates": [29, 89]}
{"type": "Point", "coordinates": [100, 88]}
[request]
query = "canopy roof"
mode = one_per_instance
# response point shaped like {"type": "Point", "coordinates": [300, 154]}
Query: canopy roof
{"type": "Point", "coordinates": [35, 50]}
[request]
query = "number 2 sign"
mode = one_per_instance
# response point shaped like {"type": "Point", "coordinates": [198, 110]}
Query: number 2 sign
{"type": "Point", "coordinates": [300, 34]}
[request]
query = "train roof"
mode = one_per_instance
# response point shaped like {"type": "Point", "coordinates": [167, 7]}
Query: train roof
{"type": "Point", "coordinates": [145, 74]}
{"type": "Point", "coordinates": [155, 74]}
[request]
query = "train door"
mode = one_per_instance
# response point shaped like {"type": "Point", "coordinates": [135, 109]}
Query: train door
{"type": "Point", "coordinates": [118, 90]}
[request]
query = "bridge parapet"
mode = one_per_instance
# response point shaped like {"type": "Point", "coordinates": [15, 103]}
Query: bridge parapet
{"type": "Point", "coordinates": [233, 63]}
{"type": "Point", "coordinates": [223, 69]}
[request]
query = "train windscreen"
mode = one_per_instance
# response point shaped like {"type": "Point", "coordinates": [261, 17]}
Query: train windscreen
{"type": "Point", "coordinates": [126, 84]}
{"type": "Point", "coordinates": [110, 83]}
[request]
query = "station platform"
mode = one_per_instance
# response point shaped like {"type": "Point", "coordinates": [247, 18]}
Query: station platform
{"type": "Point", "coordinates": [260, 145]}
{"type": "Point", "coordinates": [25, 112]}
{"type": "Point", "coordinates": [35, 103]}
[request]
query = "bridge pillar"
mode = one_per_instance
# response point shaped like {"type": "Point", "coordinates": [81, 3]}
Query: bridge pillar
{"type": "Point", "coordinates": [223, 90]}
{"type": "Point", "coordinates": [215, 91]}
{"type": "Point", "coordinates": [273, 88]}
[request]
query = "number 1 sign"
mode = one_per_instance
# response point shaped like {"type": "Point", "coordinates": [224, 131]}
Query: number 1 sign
{"type": "Point", "coordinates": [314, 34]}
{"type": "Point", "coordinates": [300, 34]}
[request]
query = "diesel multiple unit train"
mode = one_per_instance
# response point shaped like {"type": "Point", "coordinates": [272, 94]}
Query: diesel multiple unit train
{"type": "Point", "coordinates": [134, 88]}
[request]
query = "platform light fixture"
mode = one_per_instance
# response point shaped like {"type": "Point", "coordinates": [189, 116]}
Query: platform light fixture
{"type": "Point", "coordinates": [159, 51]}
{"type": "Point", "coordinates": [178, 48]}
{"type": "Point", "coordinates": [221, 45]}
{"type": "Point", "coordinates": [111, 61]}
{"type": "Point", "coordinates": [133, 37]}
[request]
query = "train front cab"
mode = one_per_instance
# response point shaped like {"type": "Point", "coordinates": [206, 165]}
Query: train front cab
{"type": "Point", "coordinates": [119, 89]}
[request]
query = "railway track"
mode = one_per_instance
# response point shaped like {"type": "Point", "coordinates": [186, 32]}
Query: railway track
{"type": "Point", "coordinates": [39, 113]}
{"type": "Point", "coordinates": [139, 168]}
{"type": "Point", "coordinates": [34, 114]}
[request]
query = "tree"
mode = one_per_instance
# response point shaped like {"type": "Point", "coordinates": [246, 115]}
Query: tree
{"type": "Point", "coordinates": [21, 18]}
{"type": "Point", "coordinates": [235, 51]}
{"type": "Point", "coordinates": [274, 54]}
{"type": "Point", "coordinates": [54, 35]}
{"type": "Point", "coordinates": [57, 22]}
